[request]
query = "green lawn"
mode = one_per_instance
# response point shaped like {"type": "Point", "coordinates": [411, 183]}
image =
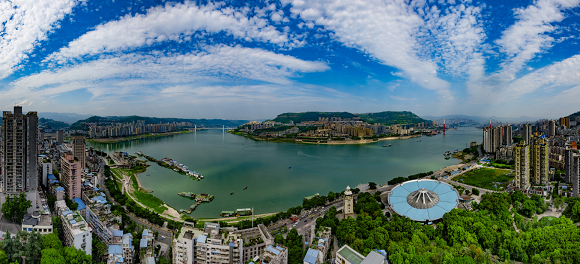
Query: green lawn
{"type": "Point", "coordinates": [486, 178]}
{"type": "Point", "coordinates": [150, 201]}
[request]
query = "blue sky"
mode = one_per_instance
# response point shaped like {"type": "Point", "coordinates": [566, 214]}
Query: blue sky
{"type": "Point", "coordinates": [255, 59]}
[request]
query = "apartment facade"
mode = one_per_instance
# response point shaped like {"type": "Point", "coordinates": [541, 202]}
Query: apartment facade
{"type": "Point", "coordinates": [540, 153]}
{"type": "Point", "coordinates": [522, 162]}
{"type": "Point", "coordinates": [71, 175]}
{"type": "Point", "coordinates": [76, 231]}
{"type": "Point", "coordinates": [19, 158]}
{"type": "Point", "coordinates": [78, 148]}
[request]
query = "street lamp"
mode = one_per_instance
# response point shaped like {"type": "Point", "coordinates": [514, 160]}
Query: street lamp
{"type": "Point", "coordinates": [23, 259]}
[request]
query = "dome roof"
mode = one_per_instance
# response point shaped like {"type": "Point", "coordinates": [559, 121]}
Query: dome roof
{"type": "Point", "coordinates": [422, 199]}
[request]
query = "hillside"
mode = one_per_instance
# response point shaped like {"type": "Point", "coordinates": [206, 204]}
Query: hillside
{"type": "Point", "coordinates": [47, 123]}
{"type": "Point", "coordinates": [386, 118]}
{"type": "Point", "coordinates": [574, 115]}
{"type": "Point", "coordinates": [309, 116]}
{"type": "Point", "coordinates": [392, 117]}
{"type": "Point", "coordinates": [104, 120]}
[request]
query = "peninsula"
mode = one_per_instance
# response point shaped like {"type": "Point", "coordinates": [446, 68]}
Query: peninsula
{"type": "Point", "coordinates": [339, 128]}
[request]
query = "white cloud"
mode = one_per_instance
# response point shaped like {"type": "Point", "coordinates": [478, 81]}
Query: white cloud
{"type": "Point", "coordinates": [458, 36]}
{"type": "Point", "coordinates": [23, 24]}
{"type": "Point", "coordinates": [216, 63]}
{"type": "Point", "coordinates": [385, 30]}
{"type": "Point", "coordinates": [169, 22]}
{"type": "Point", "coordinates": [521, 42]}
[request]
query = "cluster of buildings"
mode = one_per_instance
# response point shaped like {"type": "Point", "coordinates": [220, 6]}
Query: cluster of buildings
{"type": "Point", "coordinates": [213, 244]}
{"type": "Point", "coordinates": [134, 128]}
{"type": "Point", "coordinates": [329, 127]}
{"type": "Point", "coordinates": [545, 146]}
{"type": "Point", "coordinates": [39, 165]}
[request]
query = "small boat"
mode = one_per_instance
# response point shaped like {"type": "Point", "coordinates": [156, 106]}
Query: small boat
{"type": "Point", "coordinates": [419, 140]}
{"type": "Point", "coordinates": [386, 145]}
{"type": "Point", "coordinates": [246, 187]}
{"type": "Point", "coordinates": [232, 193]}
{"type": "Point", "coordinates": [290, 167]}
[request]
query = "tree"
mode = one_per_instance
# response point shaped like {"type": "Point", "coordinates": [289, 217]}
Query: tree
{"type": "Point", "coordinates": [331, 196]}
{"type": "Point", "coordinates": [51, 241]}
{"type": "Point", "coordinates": [279, 239]}
{"type": "Point", "coordinates": [475, 191]}
{"type": "Point", "coordinates": [52, 256]}
{"type": "Point", "coordinates": [73, 255]}
{"type": "Point", "coordinates": [22, 207]}
{"type": "Point", "coordinates": [529, 208]}
{"type": "Point", "coordinates": [33, 248]}
{"type": "Point", "coordinates": [372, 185]}
{"type": "Point", "coordinates": [3, 257]}
{"type": "Point", "coordinates": [9, 208]}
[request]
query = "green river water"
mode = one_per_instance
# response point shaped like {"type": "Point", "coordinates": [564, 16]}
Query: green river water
{"type": "Point", "coordinates": [230, 162]}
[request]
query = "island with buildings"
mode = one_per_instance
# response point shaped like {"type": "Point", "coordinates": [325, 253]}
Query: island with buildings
{"type": "Point", "coordinates": [339, 127]}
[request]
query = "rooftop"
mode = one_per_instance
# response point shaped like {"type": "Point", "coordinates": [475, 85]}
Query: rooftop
{"type": "Point", "coordinates": [350, 254]}
{"type": "Point", "coordinates": [423, 200]}
{"type": "Point", "coordinates": [311, 256]}
{"type": "Point", "coordinates": [36, 219]}
{"type": "Point", "coordinates": [373, 258]}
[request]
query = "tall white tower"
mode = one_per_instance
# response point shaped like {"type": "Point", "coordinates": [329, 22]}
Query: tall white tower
{"type": "Point", "coordinates": [348, 203]}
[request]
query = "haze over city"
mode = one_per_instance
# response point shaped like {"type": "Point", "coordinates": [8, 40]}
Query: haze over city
{"type": "Point", "coordinates": [253, 60]}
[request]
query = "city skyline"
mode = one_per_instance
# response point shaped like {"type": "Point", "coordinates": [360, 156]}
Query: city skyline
{"type": "Point", "coordinates": [255, 60]}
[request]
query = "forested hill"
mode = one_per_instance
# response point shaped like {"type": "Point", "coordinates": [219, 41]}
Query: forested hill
{"type": "Point", "coordinates": [51, 124]}
{"type": "Point", "coordinates": [310, 116]}
{"type": "Point", "coordinates": [392, 117]}
{"type": "Point", "coordinates": [574, 115]}
{"type": "Point", "coordinates": [386, 118]}
{"type": "Point", "coordinates": [104, 120]}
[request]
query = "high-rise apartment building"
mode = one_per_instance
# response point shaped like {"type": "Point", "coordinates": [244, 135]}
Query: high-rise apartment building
{"type": "Point", "coordinates": [522, 162]}
{"type": "Point", "coordinates": [507, 136]}
{"type": "Point", "coordinates": [564, 121]}
{"type": "Point", "coordinates": [539, 160]}
{"type": "Point", "coordinates": [71, 175]}
{"type": "Point", "coordinates": [59, 136]}
{"type": "Point", "coordinates": [575, 175]}
{"type": "Point", "coordinates": [551, 128]}
{"type": "Point", "coordinates": [527, 133]}
{"type": "Point", "coordinates": [569, 155]}
{"type": "Point", "coordinates": [78, 147]}
{"type": "Point", "coordinates": [20, 153]}
{"type": "Point", "coordinates": [493, 138]}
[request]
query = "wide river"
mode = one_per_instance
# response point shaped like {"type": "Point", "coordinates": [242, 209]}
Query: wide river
{"type": "Point", "coordinates": [279, 175]}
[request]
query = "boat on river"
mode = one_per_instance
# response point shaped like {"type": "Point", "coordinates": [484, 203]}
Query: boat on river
{"type": "Point", "coordinates": [232, 193]}
{"type": "Point", "coordinates": [387, 145]}
{"type": "Point", "coordinates": [246, 187]}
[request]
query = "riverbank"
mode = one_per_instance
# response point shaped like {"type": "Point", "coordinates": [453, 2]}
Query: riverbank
{"type": "Point", "coordinates": [123, 139]}
{"type": "Point", "coordinates": [326, 141]}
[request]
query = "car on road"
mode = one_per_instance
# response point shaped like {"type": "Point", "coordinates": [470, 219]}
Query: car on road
{"type": "Point", "coordinates": [305, 220]}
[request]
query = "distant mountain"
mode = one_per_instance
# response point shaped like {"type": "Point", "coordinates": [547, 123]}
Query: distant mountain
{"type": "Point", "coordinates": [392, 117]}
{"type": "Point", "coordinates": [386, 118]}
{"type": "Point", "coordinates": [64, 117]}
{"type": "Point", "coordinates": [104, 120]}
{"type": "Point", "coordinates": [309, 116]}
{"type": "Point", "coordinates": [47, 123]}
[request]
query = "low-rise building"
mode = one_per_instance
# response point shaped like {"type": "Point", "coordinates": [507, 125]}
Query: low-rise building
{"type": "Point", "coordinates": [273, 255]}
{"type": "Point", "coordinates": [314, 256]}
{"type": "Point", "coordinates": [256, 240]}
{"type": "Point", "coordinates": [98, 214]}
{"type": "Point", "coordinates": [214, 247]}
{"type": "Point", "coordinates": [37, 222]}
{"type": "Point", "coordinates": [146, 246]}
{"type": "Point", "coordinates": [76, 231]}
{"type": "Point", "coordinates": [347, 255]}
{"type": "Point", "coordinates": [121, 249]}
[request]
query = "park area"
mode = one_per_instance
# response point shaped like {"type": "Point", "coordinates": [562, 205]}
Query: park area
{"type": "Point", "coordinates": [491, 179]}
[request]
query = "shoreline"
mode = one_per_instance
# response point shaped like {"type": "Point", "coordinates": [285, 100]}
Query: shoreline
{"type": "Point", "coordinates": [329, 142]}
{"type": "Point", "coordinates": [123, 139]}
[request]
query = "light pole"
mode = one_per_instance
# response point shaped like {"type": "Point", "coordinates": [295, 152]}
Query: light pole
{"type": "Point", "coordinates": [23, 259]}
